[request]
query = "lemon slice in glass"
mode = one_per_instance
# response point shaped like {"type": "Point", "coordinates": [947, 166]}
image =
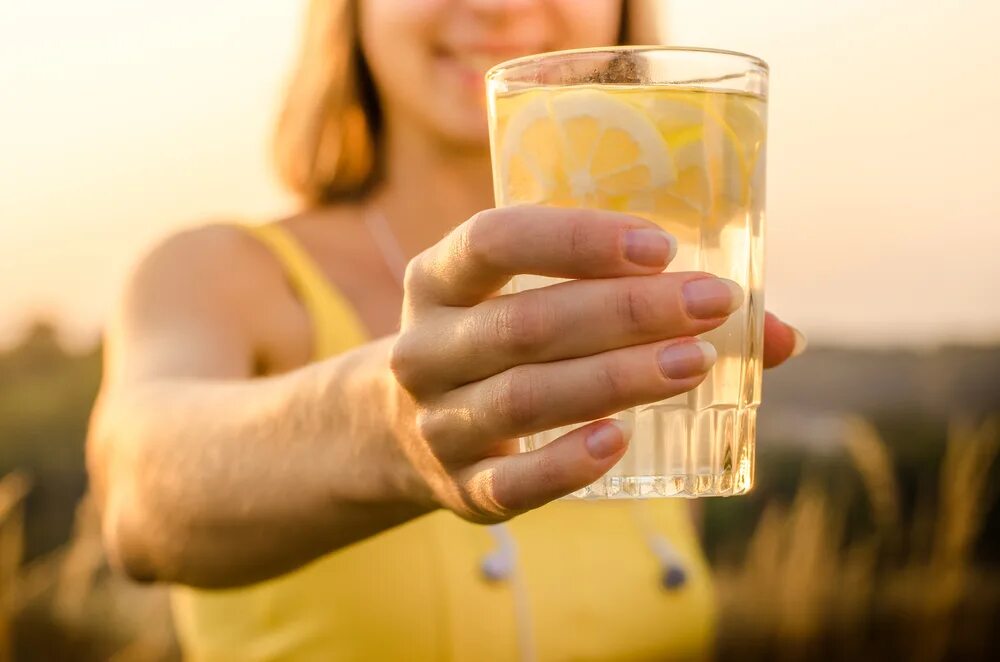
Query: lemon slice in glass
{"type": "Point", "coordinates": [582, 148]}
{"type": "Point", "coordinates": [682, 158]}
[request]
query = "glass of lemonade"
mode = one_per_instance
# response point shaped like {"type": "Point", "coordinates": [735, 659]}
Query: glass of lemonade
{"type": "Point", "coordinates": [676, 136]}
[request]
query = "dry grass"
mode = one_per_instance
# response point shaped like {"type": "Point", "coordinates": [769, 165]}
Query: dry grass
{"type": "Point", "coordinates": [13, 489]}
{"type": "Point", "coordinates": [70, 606]}
{"type": "Point", "coordinates": [804, 591]}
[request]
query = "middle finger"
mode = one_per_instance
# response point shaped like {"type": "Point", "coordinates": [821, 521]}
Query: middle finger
{"type": "Point", "coordinates": [583, 317]}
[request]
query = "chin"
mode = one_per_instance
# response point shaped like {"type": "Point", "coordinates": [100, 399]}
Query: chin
{"type": "Point", "coordinates": [466, 128]}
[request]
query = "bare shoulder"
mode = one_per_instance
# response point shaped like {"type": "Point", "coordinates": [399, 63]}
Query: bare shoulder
{"type": "Point", "coordinates": [215, 257]}
{"type": "Point", "coordinates": [218, 290]}
{"type": "Point", "coordinates": [212, 272]}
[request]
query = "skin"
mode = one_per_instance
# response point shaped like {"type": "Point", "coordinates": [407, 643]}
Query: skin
{"type": "Point", "coordinates": [221, 456]}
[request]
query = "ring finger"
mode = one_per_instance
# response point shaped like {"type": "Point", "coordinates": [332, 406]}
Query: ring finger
{"type": "Point", "coordinates": [534, 397]}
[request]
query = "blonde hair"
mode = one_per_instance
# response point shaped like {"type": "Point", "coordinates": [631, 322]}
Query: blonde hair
{"type": "Point", "coordinates": [327, 146]}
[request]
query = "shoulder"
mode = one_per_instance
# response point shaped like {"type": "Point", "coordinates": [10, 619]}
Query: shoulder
{"type": "Point", "coordinates": [211, 274]}
{"type": "Point", "coordinates": [213, 255]}
{"type": "Point", "coordinates": [214, 293]}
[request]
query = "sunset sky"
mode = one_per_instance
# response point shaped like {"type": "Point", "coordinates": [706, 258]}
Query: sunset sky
{"type": "Point", "coordinates": [121, 121]}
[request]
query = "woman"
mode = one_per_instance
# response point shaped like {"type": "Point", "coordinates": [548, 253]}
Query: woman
{"type": "Point", "coordinates": [309, 447]}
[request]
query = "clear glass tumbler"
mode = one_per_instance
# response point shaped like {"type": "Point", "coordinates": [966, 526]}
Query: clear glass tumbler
{"type": "Point", "coordinates": [676, 136]}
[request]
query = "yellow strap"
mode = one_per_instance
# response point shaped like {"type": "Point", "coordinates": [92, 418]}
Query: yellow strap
{"type": "Point", "coordinates": [336, 326]}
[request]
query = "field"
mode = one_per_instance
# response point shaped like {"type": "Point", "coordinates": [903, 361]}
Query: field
{"type": "Point", "coordinates": [873, 532]}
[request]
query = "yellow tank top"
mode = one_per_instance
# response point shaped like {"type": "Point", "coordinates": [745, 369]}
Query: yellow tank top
{"type": "Point", "coordinates": [586, 580]}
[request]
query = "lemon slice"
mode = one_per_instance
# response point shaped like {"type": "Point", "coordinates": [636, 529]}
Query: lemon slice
{"type": "Point", "coordinates": [685, 159]}
{"type": "Point", "coordinates": [716, 139]}
{"type": "Point", "coordinates": [744, 116]}
{"type": "Point", "coordinates": [582, 148]}
{"type": "Point", "coordinates": [679, 116]}
{"type": "Point", "coordinates": [734, 148]}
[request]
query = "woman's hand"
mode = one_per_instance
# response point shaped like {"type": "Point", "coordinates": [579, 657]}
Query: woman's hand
{"type": "Point", "coordinates": [482, 370]}
{"type": "Point", "coordinates": [208, 477]}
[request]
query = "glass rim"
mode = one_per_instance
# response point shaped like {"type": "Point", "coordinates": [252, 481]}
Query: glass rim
{"type": "Point", "coordinates": [495, 71]}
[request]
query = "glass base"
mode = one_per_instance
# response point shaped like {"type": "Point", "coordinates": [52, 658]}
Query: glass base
{"type": "Point", "coordinates": [676, 451]}
{"type": "Point", "coordinates": [678, 485]}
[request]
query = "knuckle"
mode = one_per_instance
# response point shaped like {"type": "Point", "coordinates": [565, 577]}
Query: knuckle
{"type": "Point", "coordinates": [637, 307]}
{"type": "Point", "coordinates": [614, 384]}
{"type": "Point", "coordinates": [412, 273]}
{"type": "Point", "coordinates": [402, 358]}
{"type": "Point", "coordinates": [511, 494]}
{"type": "Point", "coordinates": [506, 499]}
{"type": "Point", "coordinates": [478, 238]}
{"type": "Point", "coordinates": [548, 471]}
{"type": "Point", "coordinates": [430, 424]}
{"type": "Point", "coordinates": [522, 326]}
{"type": "Point", "coordinates": [516, 397]}
{"type": "Point", "coordinates": [489, 495]}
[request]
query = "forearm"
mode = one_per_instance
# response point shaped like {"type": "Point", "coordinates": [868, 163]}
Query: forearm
{"type": "Point", "coordinates": [220, 483]}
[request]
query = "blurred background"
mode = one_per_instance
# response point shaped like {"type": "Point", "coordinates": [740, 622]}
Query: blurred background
{"type": "Point", "coordinates": [874, 526]}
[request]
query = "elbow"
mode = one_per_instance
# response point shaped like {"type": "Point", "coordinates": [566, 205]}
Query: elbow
{"type": "Point", "coordinates": [149, 546]}
{"type": "Point", "coordinates": [158, 545]}
{"type": "Point", "coordinates": [129, 546]}
{"type": "Point", "coordinates": [159, 523]}
{"type": "Point", "coordinates": [125, 532]}
{"type": "Point", "coordinates": [138, 542]}
{"type": "Point", "coordinates": [150, 537]}
{"type": "Point", "coordinates": [145, 532]}
{"type": "Point", "coordinates": [149, 549]}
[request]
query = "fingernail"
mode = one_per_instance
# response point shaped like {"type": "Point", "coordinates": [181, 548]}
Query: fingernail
{"type": "Point", "coordinates": [706, 298]}
{"type": "Point", "coordinates": [687, 359]}
{"type": "Point", "coordinates": [650, 248]}
{"type": "Point", "coordinates": [800, 341]}
{"type": "Point", "coordinates": [608, 439]}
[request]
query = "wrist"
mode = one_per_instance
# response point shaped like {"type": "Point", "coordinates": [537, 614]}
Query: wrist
{"type": "Point", "coordinates": [380, 431]}
{"type": "Point", "coordinates": [412, 461]}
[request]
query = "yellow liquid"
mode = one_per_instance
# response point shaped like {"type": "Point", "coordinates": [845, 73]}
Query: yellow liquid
{"type": "Point", "coordinates": [691, 161]}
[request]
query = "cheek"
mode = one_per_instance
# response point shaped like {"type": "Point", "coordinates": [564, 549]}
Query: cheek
{"type": "Point", "coordinates": [401, 41]}
{"type": "Point", "coordinates": [395, 43]}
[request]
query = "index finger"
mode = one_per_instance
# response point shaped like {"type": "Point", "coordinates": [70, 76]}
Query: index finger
{"type": "Point", "coordinates": [479, 256]}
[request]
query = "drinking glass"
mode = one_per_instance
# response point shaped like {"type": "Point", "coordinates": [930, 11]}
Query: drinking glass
{"type": "Point", "coordinates": [676, 136]}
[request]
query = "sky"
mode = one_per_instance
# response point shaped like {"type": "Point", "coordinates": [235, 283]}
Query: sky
{"type": "Point", "coordinates": [121, 122]}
